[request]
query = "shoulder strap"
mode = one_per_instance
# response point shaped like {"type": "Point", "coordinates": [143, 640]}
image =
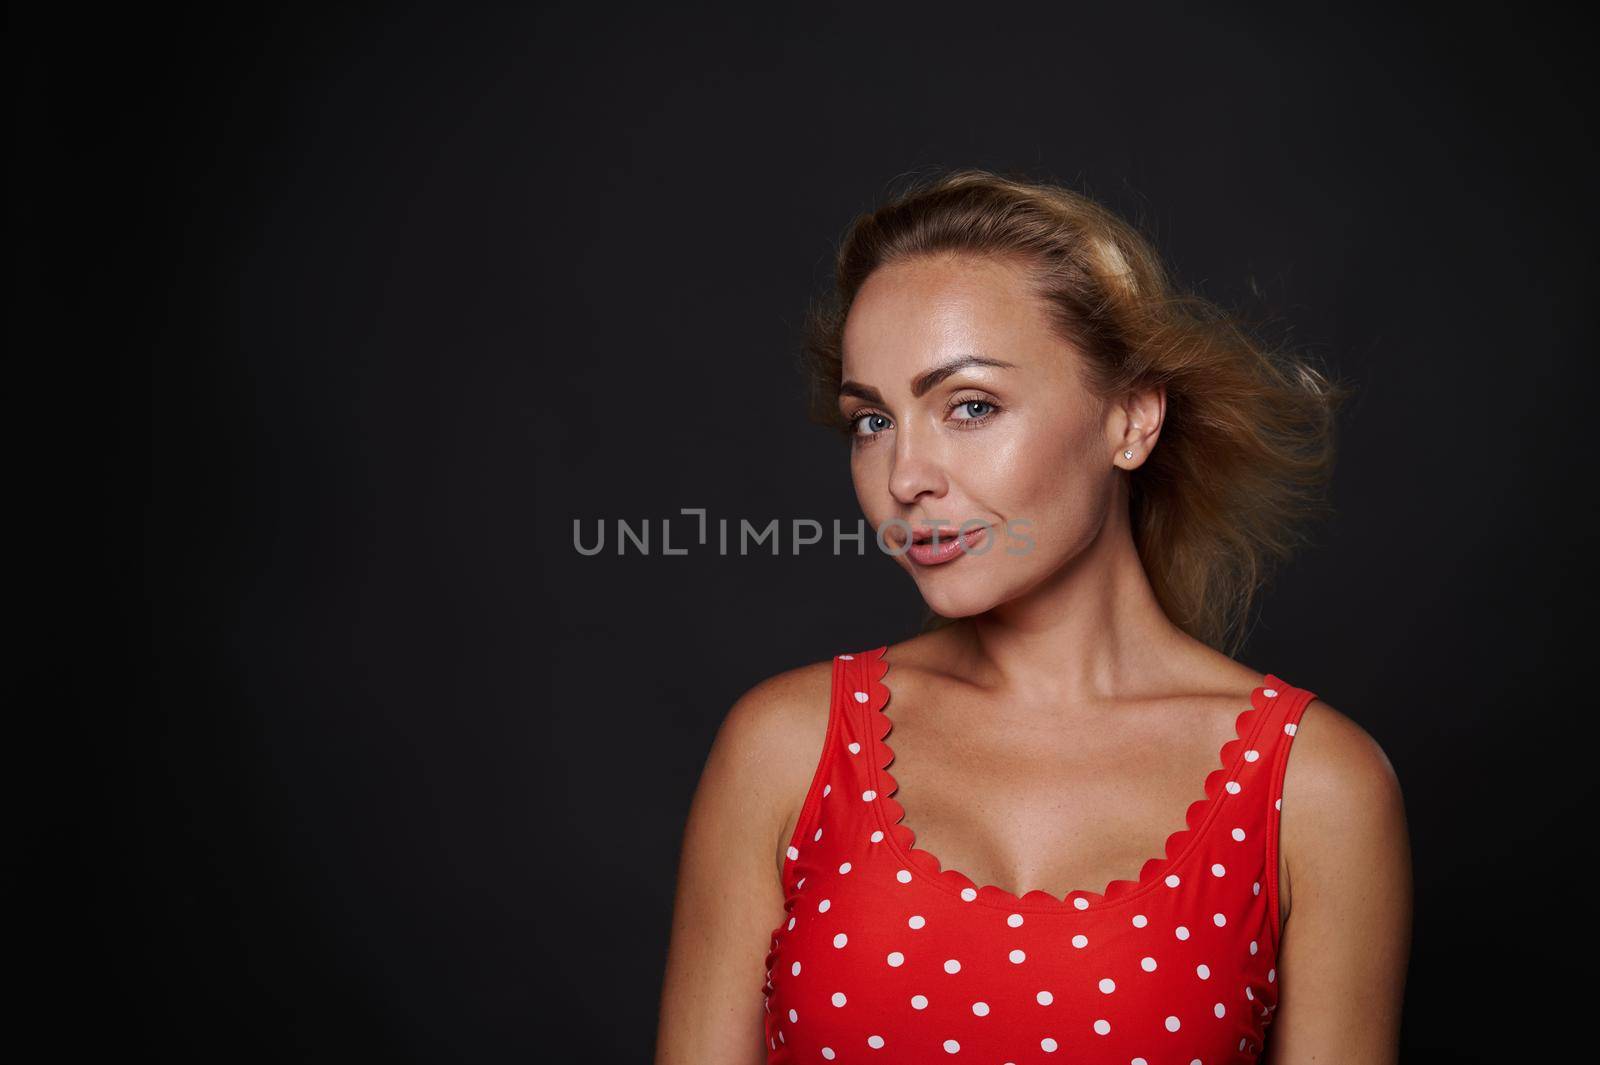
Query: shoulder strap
{"type": "Point", "coordinates": [1277, 738]}
{"type": "Point", "coordinates": [810, 806]}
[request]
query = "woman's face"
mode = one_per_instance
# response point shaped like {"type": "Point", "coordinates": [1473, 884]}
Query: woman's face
{"type": "Point", "coordinates": [1023, 443]}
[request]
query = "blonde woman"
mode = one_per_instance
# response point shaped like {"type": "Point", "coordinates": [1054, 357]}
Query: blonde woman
{"type": "Point", "coordinates": [1088, 841]}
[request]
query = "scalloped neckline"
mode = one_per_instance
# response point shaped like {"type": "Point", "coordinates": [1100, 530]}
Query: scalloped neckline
{"type": "Point", "coordinates": [1178, 845]}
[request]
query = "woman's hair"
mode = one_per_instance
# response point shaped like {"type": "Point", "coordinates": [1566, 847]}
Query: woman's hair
{"type": "Point", "coordinates": [1247, 445]}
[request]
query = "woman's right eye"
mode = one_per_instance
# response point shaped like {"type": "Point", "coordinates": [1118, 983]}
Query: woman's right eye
{"type": "Point", "coordinates": [868, 423]}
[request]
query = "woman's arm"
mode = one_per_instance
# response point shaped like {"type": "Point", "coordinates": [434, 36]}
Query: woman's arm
{"type": "Point", "coordinates": [729, 897]}
{"type": "Point", "coordinates": [1347, 942]}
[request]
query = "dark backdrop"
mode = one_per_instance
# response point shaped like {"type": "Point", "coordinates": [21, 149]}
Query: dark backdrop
{"type": "Point", "coordinates": [328, 324]}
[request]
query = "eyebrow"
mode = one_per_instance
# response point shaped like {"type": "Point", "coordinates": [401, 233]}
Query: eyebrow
{"type": "Point", "coordinates": [923, 382]}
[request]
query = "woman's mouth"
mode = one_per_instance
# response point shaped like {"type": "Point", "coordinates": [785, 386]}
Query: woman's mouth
{"type": "Point", "coordinates": [949, 544]}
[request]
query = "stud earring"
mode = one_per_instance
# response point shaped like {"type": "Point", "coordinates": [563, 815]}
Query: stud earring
{"type": "Point", "coordinates": [1127, 454]}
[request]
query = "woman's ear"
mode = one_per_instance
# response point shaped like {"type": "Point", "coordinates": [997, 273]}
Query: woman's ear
{"type": "Point", "coordinates": [1134, 423]}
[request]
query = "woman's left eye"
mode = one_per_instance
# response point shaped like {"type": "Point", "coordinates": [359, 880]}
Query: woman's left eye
{"type": "Point", "coordinates": [967, 405]}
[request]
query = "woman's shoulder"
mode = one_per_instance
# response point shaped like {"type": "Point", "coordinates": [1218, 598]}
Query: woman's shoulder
{"type": "Point", "coordinates": [1343, 808]}
{"type": "Point", "coordinates": [1337, 767]}
{"type": "Point", "coordinates": [778, 707]}
{"type": "Point", "coordinates": [775, 732]}
{"type": "Point", "coordinates": [779, 723]}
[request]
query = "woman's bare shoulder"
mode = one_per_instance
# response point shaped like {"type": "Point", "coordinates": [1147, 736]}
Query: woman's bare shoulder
{"type": "Point", "coordinates": [726, 892]}
{"type": "Point", "coordinates": [1343, 808]}
{"type": "Point", "coordinates": [785, 706]}
{"type": "Point", "coordinates": [774, 734]}
{"type": "Point", "coordinates": [1338, 770]}
{"type": "Point", "coordinates": [1348, 854]}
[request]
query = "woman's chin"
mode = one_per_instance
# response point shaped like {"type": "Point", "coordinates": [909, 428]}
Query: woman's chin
{"type": "Point", "coordinates": [957, 602]}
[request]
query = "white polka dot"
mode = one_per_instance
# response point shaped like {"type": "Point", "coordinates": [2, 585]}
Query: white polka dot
{"type": "Point", "coordinates": [840, 940]}
{"type": "Point", "coordinates": [1172, 1024]}
{"type": "Point", "coordinates": [824, 905]}
{"type": "Point", "coordinates": [1181, 932]}
{"type": "Point", "coordinates": [919, 1002]}
{"type": "Point", "coordinates": [1219, 1009]}
{"type": "Point", "coordinates": [1017, 957]}
{"type": "Point", "coordinates": [877, 837]}
{"type": "Point", "coordinates": [875, 1042]}
{"type": "Point", "coordinates": [1140, 920]}
{"type": "Point", "coordinates": [845, 868]}
{"type": "Point", "coordinates": [855, 748]}
{"type": "Point", "coordinates": [795, 968]}
{"type": "Point", "coordinates": [793, 1016]}
{"type": "Point", "coordinates": [952, 1047]}
{"type": "Point", "coordinates": [1047, 1045]}
{"type": "Point", "coordinates": [969, 893]}
{"type": "Point", "coordinates": [838, 998]}
{"type": "Point", "coordinates": [825, 789]}
{"type": "Point", "coordinates": [1218, 919]}
{"type": "Point", "coordinates": [1107, 985]}
{"type": "Point", "coordinates": [1102, 1026]}
{"type": "Point", "coordinates": [1081, 903]}
{"type": "Point", "coordinates": [791, 924]}
{"type": "Point", "coordinates": [980, 1009]}
{"type": "Point", "coordinates": [1238, 835]}
{"type": "Point", "coordinates": [1290, 728]}
{"type": "Point", "coordinates": [1255, 889]}
{"type": "Point", "coordinates": [1218, 870]}
{"type": "Point", "coordinates": [1252, 946]}
{"type": "Point", "coordinates": [1249, 994]}
{"type": "Point", "coordinates": [904, 876]}
{"type": "Point", "coordinates": [1148, 964]}
{"type": "Point", "coordinates": [1139, 1061]}
{"type": "Point", "coordinates": [817, 836]}
{"type": "Point", "coordinates": [952, 966]}
{"type": "Point", "coordinates": [1080, 941]}
{"type": "Point", "coordinates": [1203, 971]}
{"type": "Point", "coordinates": [1277, 804]}
{"type": "Point", "coordinates": [1271, 693]}
{"type": "Point", "coordinates": [846, 658]}
{"type": "Point", "coordinates": [1232, 787]}
{"type": "Point", "coordinates": [1251, 755]}
{"type": "Point", "coordinates": [896, 959]}
{"type": "Point", "coordinates": [827, 1052]}
{"type": "Point", "coordinates": [1044, 998]}
{"type": "Point", "coordinates": [793, 854]}
{"type": "Point", "coordinates": [1172, 880]}
{"type": "Point", "coordinates": [868, 795]}
{"type": "Point", "coordinates": [1015, 920]}
{"type": "Point", "coordinates": [1271, 975]}
{"type": "Point", "coordinates": [917, 921]}
{"type": "Point", "coordinates": [861, 697]}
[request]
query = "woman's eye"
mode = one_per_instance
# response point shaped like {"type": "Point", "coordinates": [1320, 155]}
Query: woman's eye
{"type": "Point", "coordinates": [875, 423]}
{"type": "Point", "coordinates": [969, 404]}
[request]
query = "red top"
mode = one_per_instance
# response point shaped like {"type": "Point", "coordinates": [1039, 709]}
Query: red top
{"type": "Point", "coordinates": [884, 956]}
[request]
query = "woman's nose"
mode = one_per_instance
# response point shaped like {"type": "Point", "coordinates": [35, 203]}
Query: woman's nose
{"type": "Point", "coordinates": [915, 470]}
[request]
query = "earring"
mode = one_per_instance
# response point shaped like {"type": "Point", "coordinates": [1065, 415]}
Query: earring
{"type": "Point", "coordinates": [1127, 454]}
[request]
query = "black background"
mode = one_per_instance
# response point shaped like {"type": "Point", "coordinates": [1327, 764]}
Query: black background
{"type": "Point", "coordinates": [327, 324]}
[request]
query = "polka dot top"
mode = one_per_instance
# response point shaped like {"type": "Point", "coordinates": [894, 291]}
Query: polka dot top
{"type": "Point", "coordinates": [884, 956]}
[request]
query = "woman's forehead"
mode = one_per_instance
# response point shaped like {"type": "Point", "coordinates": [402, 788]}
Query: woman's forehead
{"type": "Point", "coordinates": [912, 317]}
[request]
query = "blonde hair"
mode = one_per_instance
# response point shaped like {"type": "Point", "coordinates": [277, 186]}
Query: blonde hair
{"type": "Point", "coordinates": [1247, 445]}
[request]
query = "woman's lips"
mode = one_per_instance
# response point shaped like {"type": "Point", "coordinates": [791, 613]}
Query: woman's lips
{"type": "Point", "coordinates": [949, 547]}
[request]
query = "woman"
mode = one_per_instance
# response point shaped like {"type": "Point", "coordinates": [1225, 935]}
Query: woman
{"type": "Point", "coordinates": [1093, 845]}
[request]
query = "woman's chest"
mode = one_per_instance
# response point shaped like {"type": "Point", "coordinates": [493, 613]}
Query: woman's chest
{"type": "Point", "coordinates": [1058, 820]}
{"type": "Point", "coordinates": [887, 953]}
{"type": "Point", "coordinates": [874, 965]}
